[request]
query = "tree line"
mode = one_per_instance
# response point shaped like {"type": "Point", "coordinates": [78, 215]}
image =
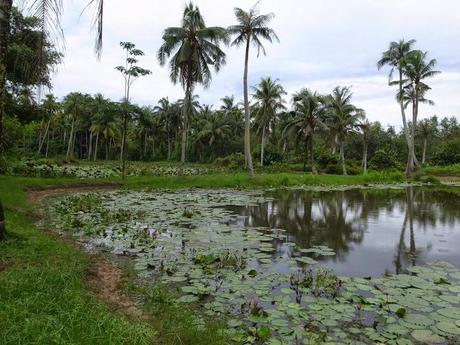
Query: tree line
{"type": "Point", "coordinates": [93, 127]}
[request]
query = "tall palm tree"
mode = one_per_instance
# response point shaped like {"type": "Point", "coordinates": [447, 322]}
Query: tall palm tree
{"type": "Point", "coordinates": [232, 112]}
{"type": "Point", "coordinates": [343, 118]}
{"type": "Point", "coordinates": [166, 114]}
{"type": "Point", "coordinates": [193, 47]}
{"type": "Point", "coordinates": [417, 68]}
{"type": "Point", "coordinates": [214, 129]}
{"type": "Point", "coordinates": [104, 122]}
{"type": "Point", "coordinates": [365, 128]}
{"type": "Point", "coordinates": [309, 112]}
{"type": "Point", "coordinates": [50, 106]}
{"type": "Point", "coordinates": [74, 106]}
{"type": "Point", "coordinates": [251, 28]}
{"type": "Point", "coordinates": [394, 57]}
{"type": "Point", "coordinates": [269, 100]}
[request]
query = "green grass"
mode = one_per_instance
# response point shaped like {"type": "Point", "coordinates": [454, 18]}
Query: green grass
{"type": "Point", "coordinates": [450, 170]}
{"type": "Point", "coordinates": [45, 300]}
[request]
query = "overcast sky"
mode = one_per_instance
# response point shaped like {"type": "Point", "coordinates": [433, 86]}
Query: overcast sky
{"type": "Point", "coordinates": [323, 43]}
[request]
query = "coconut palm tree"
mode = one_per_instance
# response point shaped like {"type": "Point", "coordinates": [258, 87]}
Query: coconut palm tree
{"type": "Point", "coordinates": [365, 128]}
{"type": "Point", "coordinates": [394, 57]}
{"type": "Point", "coordinates": [426, 128]}
{"type": "Point", "coordinates": [417, 68]}
{"type": "Point", "coordinates": [215, 129]}
{"type": "Point", "coordinates": [50, 106]}
{"type": "Point", "coordinates": [74, 106]}
{"type": "Point", "coordinates": [193, 48]}
{"type": "Point", "coordinates": [251, 28]}
{"type": "Point", "coordinates": [343, 118]}
{"type": "Point", "coordinates": [309, 112]}
{"type": "Point", "coordinates": [232, 112]}
{"type": "Point", "coordinates": [269, 101]}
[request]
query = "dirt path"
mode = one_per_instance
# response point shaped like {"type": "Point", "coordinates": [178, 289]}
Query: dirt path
{"type": "Point", "coordinates": [104, 278]}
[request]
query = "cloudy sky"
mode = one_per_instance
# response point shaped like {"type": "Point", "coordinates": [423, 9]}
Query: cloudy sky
{"type": "Point", "coordinates": [324, 43]}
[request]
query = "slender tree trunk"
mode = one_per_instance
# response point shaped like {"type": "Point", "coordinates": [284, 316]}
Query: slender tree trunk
{"type": "Point", "coordinates": [169, 148]}
{"type": "Point", "coordinates": [144, 154]}
{"type": "Point", "coordinates": [44, 137]}
{"type": "Point", "coordinates": [90, 150]}
{"type": "Point", "coordinates": [47, 144]}
{"type": "Point", "coordinates": [247, 122]}
{"type": "Point", "coordinates": [2, 223]}
{"type": "Point", "coordinates": [262, 148]}
{"type": "Point", "coordinates": [187, 108]}
{"type": "Point", "coordinates": [123, 147]}
{"type": "Point", "coordinates": [342, 157]}
{"type": "Point", "coordinates": [107, 148]}
{"type": "Point", "coordinates": [95, 146]}
{"type": "Point", "coordinates": [312, 156]}
{"type": "Point", "coordinates": [5, 13]}
{"type": "Point", "coordinates": [71, 135]}
{"type": "Point", "coordinates": [425, 140]}
{"type": "Point", "coordinates": [365, 158]}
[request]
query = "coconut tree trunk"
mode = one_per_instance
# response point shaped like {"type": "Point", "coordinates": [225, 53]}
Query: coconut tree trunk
{"type": "Point", "coordinates": [107, 148]}
{"type": "Point", "coordinates": [90, 149]}
{"type": "Point", "coordinates": [247, 124]}
{"type": "Point", "coordinates": [262, 148]}
{"type": "Point", "coordinates": [44, 137]}
{"type": "Point", "coordinates": [365, 158]}
{"type": "Point", "coordinates": [123, 147]}
{"type": "Point", "coordinates": [187, 108]}
{"type": "Point", "coordinates": [425, 140]}
{"type": "Point", "coordinates": [342, 157]}
{"type": "Point", "coordinates": [144, 154]}
{"type": "Point", "coordinates": [312, 156]}
{"type": "Point", "coordinates": [2, 223]}
{"type": "Point", "coordinates": [95, 146]}
{"type": "Point", "coordinates": [169, 147]}
{"type": "Point", "coordinates": [47, 144]}
{"type": "Point", "coordinates": [71, 138]}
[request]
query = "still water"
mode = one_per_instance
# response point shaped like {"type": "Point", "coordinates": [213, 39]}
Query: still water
{"type": "Point", "coordinates": [373, 232]}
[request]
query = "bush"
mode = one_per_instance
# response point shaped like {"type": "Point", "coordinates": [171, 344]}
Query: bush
{"type": "Point", "coordinates": [384, 159]}
{"type": "Point", "coordinates": [325, 158]}
{"type": "Point", "coordinates": [448, 154]}
{"type": "Point", "coordinates": [234, 161]}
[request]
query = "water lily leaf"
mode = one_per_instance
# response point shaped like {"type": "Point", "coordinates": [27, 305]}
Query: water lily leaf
{"type": "Point", "coordinates": [427, 337]}
{"type": "Point", "coordinates": [448, 327]}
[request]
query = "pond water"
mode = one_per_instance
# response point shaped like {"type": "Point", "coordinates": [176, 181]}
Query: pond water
{"type": "Point", "coordinates": [372, 232]}
{"type": "Point", "coordinates": [291, 266]}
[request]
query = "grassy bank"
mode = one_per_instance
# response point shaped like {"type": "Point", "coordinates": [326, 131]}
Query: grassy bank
{"type": "Point", "coordinates": [450, 170]}
{"type": "Point", "coordinates": [45, 298]}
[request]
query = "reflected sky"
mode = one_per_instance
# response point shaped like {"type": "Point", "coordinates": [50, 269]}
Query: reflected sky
{"type": "Point", "coordinates": [373, 232]}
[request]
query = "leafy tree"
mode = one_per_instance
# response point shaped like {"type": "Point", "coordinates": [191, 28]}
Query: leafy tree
{"type": "Point", "coordinates": [251, 28]}
{"type": "Point", "coordinates": [131, 72]}
{"type": "Point", "coordinates": [193, 47]}
{"type": "Point", "coordinates": [269, 101]}
{"type": "Point", "coordinates": [343, 118]}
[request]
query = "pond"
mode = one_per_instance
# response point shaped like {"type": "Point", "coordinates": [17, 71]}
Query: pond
{"type": "Point", "coordinates": [372, 232]}
{"type": "Point", "coordinates": [291, 266]}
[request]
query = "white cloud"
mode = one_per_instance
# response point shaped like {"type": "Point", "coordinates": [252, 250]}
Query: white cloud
{"type": "Point", "coordinates": [323, 44]}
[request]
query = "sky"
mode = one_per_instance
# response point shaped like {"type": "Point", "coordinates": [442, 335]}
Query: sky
{"type": "Point", "coordinates": [323, 43]}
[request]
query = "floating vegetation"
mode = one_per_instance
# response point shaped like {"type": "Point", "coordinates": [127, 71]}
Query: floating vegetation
{"type": "Point", "coordinates": [191, 241]}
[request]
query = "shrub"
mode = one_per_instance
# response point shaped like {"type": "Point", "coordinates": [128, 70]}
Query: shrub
{"type": "Point", "coordinates": [449, 153]}
{"type": "Point", "coordinates": [325, 158]}
{"type": "Point", "coordinates": [233, 161]}
{"type": "Point", "coordinates": [384, 159]}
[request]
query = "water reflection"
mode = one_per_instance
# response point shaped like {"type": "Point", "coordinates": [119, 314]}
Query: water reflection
{"type": "Point", "coordinates": [373, 232]}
